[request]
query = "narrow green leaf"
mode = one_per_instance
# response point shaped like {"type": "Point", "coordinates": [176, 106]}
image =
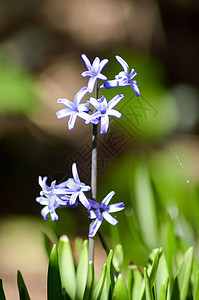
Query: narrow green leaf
{"type": "Point", "coordinates": [23, 292]}
{"type": "Point", "coordinates": [137, 284]}
{"type": "Point", "coordinates": [148, 288]}
{"type": "Point", "coordinates": [90, 281]}
{"type": "Point", "coordinates": [130, 281]}
{"type": "Point", "coordinates": [82, 271]}
{"type": "Point", "coordinates": [118, 258]}
{"type": "Point", "coordinates": [120, 291]}
{"type": "Point", "coordinates": [163, 290]}
{"type": "Point", "coordinates": [145, 206]}
{"type": "Point", "coordinates": [67, 267]}
{"type": "Point", "coordinates": [2, 294]}
{"type": "Point", "coordinates": [152, 273]}
{"type": "Point", "coordinates": [162, 275]}
{"type": "Point", "coordinates": [47, 244]}
{"type": "Point", "coordinates": [110, 275]}
{"type": "Point", "coordinates": [182, 280]}
{"type": "Point", "coordinates": [78, 245]}
{"type": "Point", "coordinates": [196, 294]}
{"type": "Point", "coordinates": [98, 288]}
{"type": "Point", "coordinates": [54, 290]}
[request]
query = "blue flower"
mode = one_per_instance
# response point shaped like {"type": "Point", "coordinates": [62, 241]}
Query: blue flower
{"type": "Point", "coordinates": [77, 188]}
{"type": "Point", "coordinates": [52, 196]}
{"type": "Point", "coordinates": [124, 78]}
{"type": "Point", "coordinates": [74, 109]}
{"type": "Point", "coordinates": [102, 211]}
{"type": "Point", "coordinates": [94, 71]}
{"type": "Point", "coordinates": [103, 111]}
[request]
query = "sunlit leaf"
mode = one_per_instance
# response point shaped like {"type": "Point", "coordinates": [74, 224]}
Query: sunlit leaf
{"type": "Point", "coordinates": [118, 258]}
{"type": "Point", "coordinates": [82, 271]}
{"type": "Point", "coordinates": [120, 291]}
{"type": "Point", "coordinates": [67, 266]}
{"type": "Point", "coordinates": [182, 280]}
{"type": "Point", "coordinates": [98, 288]}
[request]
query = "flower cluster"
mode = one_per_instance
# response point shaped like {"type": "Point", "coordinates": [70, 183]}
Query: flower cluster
{"type": "Point", "coordinates": [70, 193]}
{"type": "Point", "coordinates": [100, 108]}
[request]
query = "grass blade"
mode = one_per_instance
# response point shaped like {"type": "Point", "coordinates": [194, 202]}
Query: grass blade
{"type": "Point", "coordinates": [98, 288]}
{"type": "Point", "coordinates": [120, 291]}
{"type": "Point", "coordinates": [23, 292]}
{"type": "Point", "coordinates": [54, 290]}
{"type": "Point", "coordinates": [82, 271]}
{"type": "Point", "coordinates": [148, 290]}
{"type": "Point", "coordinates": [2, 294]}
{"type": "Point", "coordinates": [196, 294]}
{"type": "Point", "coordinates": [182, 280]}
{"type": "Point", "coordinates": [67, 267]}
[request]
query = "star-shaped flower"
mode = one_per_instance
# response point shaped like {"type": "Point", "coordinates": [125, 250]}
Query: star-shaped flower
{"type": "Point", "coordinates": [102, 211]}
{"type": "Point", "coordinates": [74, 109]}
{"type": "Point", "coordinates": [52, 196]}
{"type": "Point", "coordinates": [103, 111]}
{"type": "Point", "coordinates": [124, 78]}
{"type": "Point", "coordinates": [77, 188]}
{"type": "Point", "coordinates": [94, 71]}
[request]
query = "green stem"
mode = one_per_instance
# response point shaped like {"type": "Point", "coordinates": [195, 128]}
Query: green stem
{"type": "Point", "coordinates": [93, 176]}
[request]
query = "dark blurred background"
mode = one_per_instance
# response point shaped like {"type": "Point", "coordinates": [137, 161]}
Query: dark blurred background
{"type": "Point", "coordinates": [41, 42]}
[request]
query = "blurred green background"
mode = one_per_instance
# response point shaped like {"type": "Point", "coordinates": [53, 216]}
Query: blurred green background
{"type": "Point", "coordinates": [151, 159]}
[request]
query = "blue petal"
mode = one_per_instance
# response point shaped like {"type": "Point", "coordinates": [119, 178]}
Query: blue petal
{"type": "Point", "coordinates": [109, 218]}
{"type": "Point", "coordinates": [111, 84]}
{"type": "Point", "coordinates": [104, 124]}
{"type": "Point", "coordinates": [115, 100]}
{"type": "Point", "coordinates": [64, 113]}
{"type": "Point", "coordinates": [102, 64]}
{"type": "Point", "coordinates": [107, 199]}
{"type": "Point", "coordinates": [75, 173]}
{"type": "Point", "coordinates": [123, 63]}
{"type": "Point", "coordinates": [80, 94]}
{"type": "Point", "coordinates": [135, 87]}
{"type": "Point", "coordinates": [91, 83]}
{"type": "Point", "coordinates": [86, 61]}
{"type": "Point", "coordinates": [72, 120]}
{"type": "Point", "coordinates": [94, 228]}
{"type": "Point", "coordinates": [115, 207]}
{"type": "Point", "coordinates": [84, 200]}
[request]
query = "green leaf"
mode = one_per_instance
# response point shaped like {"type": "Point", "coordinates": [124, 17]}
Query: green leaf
{"type": "Point", "coordinates": [137, 284]}
{"type": "Point", "coordinates": [163, 290]}
{"type": "Point", "coordinates": [82, 271]}
{"type": "Point", "coordinates": [148, 288]}
{"type": "Point", "coordinates": [98, 287]}
{"type": "Point", "coordinates": [170, 248]}
{"type": "Point", "coordinates": [90, 281]}
{"type": "Point", "coordinates": [118, 258]}
{"type": "Point", "coordinates": [120, 291]}
{"type": "Point", "coordinates": [2, 294]}
{"type": "Point", "coordinates": [67, 267]}
{"type": "Point", "coordinates": [162, 276]}
{"type": "Point", "coordinates": [47, 244]}
{"type": "Point", "coordinates": [54, 290]}
{"type": "Point", "coordinates": [78, 245]}
{"type": "Point", "coordinates": [196, 294]}
{"type": "Point", "coordinates": [23, 292]}
{"type": "Point", "coordinates": [182, 280]}
{"type": "Point", "coordinates": [152, 273]}
{"type": "Point", "coordinates": [110, 275]}
{"type": "Point", "coordinates": [145, 206]}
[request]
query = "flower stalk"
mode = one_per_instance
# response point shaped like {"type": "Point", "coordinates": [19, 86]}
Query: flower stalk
{"type": "Point", "coordinates": [91, 244]}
